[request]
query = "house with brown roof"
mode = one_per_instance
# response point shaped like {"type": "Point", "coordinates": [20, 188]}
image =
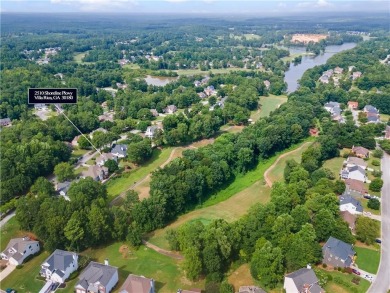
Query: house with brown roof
{"type": "Point", "coordinates": [96, 172]}
{"type": "Point", "coordinates": [350, 219]}
{"type": "Point", "coordinates": [154, 112]}
{"type": "Point", "coordinates": [353, 105]}
{"type": "Point", "coordinates": [360, 152]}
{"type": "Point", "coordinates": [355, 187]}
{"type": "Point", "coordinates": [170, 109]}
{"type": "Point", "coordinates": [137, 284]}
{"type": "Point", "coordinates": [338, 70]}
{"type": "Point", "coordinates": [103, 158]}
{"type": "Point", "coordinates": [355, 161]}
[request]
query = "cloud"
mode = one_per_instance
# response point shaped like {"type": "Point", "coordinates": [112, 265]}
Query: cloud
{"type": "Point", "coordinates": [98, 5]}
{"type": "Point", "coordinates": [282, 5]}
{"type": "Point", "coordinates": [176, 1]}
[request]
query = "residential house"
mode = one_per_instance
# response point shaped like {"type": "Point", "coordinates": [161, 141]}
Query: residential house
{"type": "Point", "coordinates": [63, 187]}
{"type": "Point", "coordinates": [337, 253]}
{"type": "Point", "coordinates": [40, 107]}
{"type": "Point", "coordinates": [353, 105]}
{"type": "Point", "coordinates": [137, 284]}
{"type": "Point", "coordinates": [267, 84]}
{"type": "Point", "coordinates": [328, 73]}
{"type": "Point", "coordinates": [197, 83]}
{"type": "Point", "coordinates": [210, 91]}
{"type": "Point", "coordinates": [170, 109]}
{"type": "Point", "coordinates": [302, 280]}
{"type": "Point", "coordinates": [355, 187]}
{"type": "Point", "coordinates": [154, 112]}
{"type": "Point", "coordinates": [372, 118]}
{"type": "Point", "coordinates": [387, 132]}
{"type": "Point", "coordinates": [250, 289]}
{"type": "Point", "coordinates": [97, 277]}
{"type": "Point", "coordinates": [355, 161]}
{"type": "Point", "coordinates": [119, 150]}
{"type": "Point", "coordinates": [338, 70]}
{"type": "Point", "coordinates": [354, 172]}
{"type": "Point", "coordinates": [360, 152]}
{"type": "Point", "coordinates": [350, 219]}
{"type": "Point", "coordinates": [96, 172]}
{"type": "Point", "coordinates": [356, 75]}
{"type": "Point", "coordinates": [121, 85]}
{"type": "Point", "coordinates": [5, 122]}
{"type": "Point", "coordinates": [324, 79]}
{"type": "Point", "coordinates": [18, 249]}
{"type": "Point", "coordinates": [107, 116]}
{"type": "Point", "coordinates": [313, 132]}
{"type": "Point", "coordinates": [103, 158]}
{"type": "Point", "coordinates": [205, 80]}
{"type": "Point", "coordinates": [334, 109]}
{"type": "Point", "coordinates": [202, 95]}
{"type": "Point", "coordinates": [59, 265]}
{"type": "Point", "coordinates": [370, 109]}
{"type": "Point", "coordinates": [151, 131]}
{"type": "Point", "coordinates": [348, 203]}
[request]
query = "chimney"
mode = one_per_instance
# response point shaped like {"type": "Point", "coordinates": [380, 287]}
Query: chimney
{"type": "Point", "coordinates": [106, 262]}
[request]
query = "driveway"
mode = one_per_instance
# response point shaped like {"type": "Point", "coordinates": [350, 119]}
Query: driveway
{"type": "Point", "coordinates": [382, 282]}
{"type": "Point", "coordinates": [4, 273]}
{"type": "Point", "coordinates": [6, 219]}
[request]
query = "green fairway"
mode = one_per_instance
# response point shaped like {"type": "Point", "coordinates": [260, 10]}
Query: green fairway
{"type": "Point", "coordinates": [267, 105]}
{"type": "Point", "coordinates": [246, 190]}
{"type": "Point", "coordinates": [117, 185]}
{"type": "Point", "coordinates": [367, 259]}
{"type": "Point", "coordinates": [24, 279]}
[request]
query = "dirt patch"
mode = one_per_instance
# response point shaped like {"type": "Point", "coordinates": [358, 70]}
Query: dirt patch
{"type": "Point", "coordinates": [241, 277]}
{"type": "Point", "coordinates": [124, 251]}
{"type": "Point", "coordinates": [306, 38]}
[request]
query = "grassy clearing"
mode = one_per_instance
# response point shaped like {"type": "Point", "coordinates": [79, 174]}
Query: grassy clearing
{"type": "Point", "coordinates": [116, 186]}
{"type": "Point", "coordinates": [214, 71]}
{"type": "Point", "coordinates": [164, 270]}
{"type": "Point", "coordinates": [24, 279]}
{"type": "Point", "coordinates": [367, 259]}
{"type": "Point", "coordinates": [246, 190]}
{"type": "Point", "coordinates": [79, 170]}
{"type": "Point", "coordinates": [232, 129]}
{"type": "Point", "coordinates": [241, 277]}
{"type": "Point", "coordinates": [276, 173]}
{"type": "Point", "coordinates": [384, 117]}
{"type": "Point", "coordinates": [9, 231]}
{"type": "Point", "coordinates": [267, 105]}
{"type": "Point", "coordinates": [79, 56]}
{"type": "Point", "coordinates": [79, 152]}
{"type": "Point", "coordinates": [334, 165]}
{"type": "Point", "coordinates": [131, 66]}
{"type": "Point", "coordinates": [334, 287]}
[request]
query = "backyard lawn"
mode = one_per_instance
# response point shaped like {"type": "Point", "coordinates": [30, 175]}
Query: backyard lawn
{"type": "Point", "coordinates": [367, 259]}
{"type": "Point", "coordinates": [8, 231]}
{"type": "Point", "coordinates": [24, 279]}
{"type": "Point", "coordinates": [342, 283]}
{"type": "Point", "coordinates": [335, 165]}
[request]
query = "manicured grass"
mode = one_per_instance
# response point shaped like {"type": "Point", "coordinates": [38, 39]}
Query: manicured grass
{"type": "Point", "coordinates": [277, 172]}
{"type": "Point", "coordinates": [9, 231]}
{"type": "Point", "coordinates": [267, 105]}
{"type": "Point", "coordinates": [335, 287]}
{"type": "Point", "coordinates": [116, 186]}
{"type": "Point", "coordinates": [79, 170]}
{"type": "Point", "coordinates": [131, 66]}
{"type": "Point", "coordinates": [246, 190]}
{"type": "Point", "coordinates": [367, 259]}
{"type": "Point", "coordinates": [24, 279]}
{"type": "Point", "coordinates": [384, 117]}
{"type": "Point", "coordinates": [79, 152]}
{"type": "Point", "coordinates": [214, 71]}
{"type": "Point", "coordinates": [79, 56]}
{"type": "Point", "coordinates": [335, 165]}
{"type": "Point", "coordinates": [252, 37]}
{"type": "Point", "coordinates": [164, 270]}
{"type": "Point", "coordinates": [241, 277]}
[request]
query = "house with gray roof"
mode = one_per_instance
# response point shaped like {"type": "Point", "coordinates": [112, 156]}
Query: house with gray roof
{"type": "Point", "coordinates": [370, 109]}
{"type": "Point", "coordinates": [137, 284]}
{"type": "Point", "coordinates": [59, 265]}
{"type": "Point", "coordinates": [103, 158]}
{"type": "Point", "coordinates": [302, 280]}
{"type": "Point", "coordinates": [119, 150]}
{"type": "Point", "coordinates": [97, 277]}
{"type": "Point", "coordinates": [337, 253]}
{"type": "Point", "coordinates": [354, 172]}
{"type": "Point", "coordinates": [348, 203]}
{"type": "Point", "coordinates": [62, 188]}
{"type": "Point", "coordinates": [151, 131]}
{"type": "Point", "coordinates": [355, 161]}
{"type": "Point", "coordinates": [18, 249]}
{"type": "Point", "coordinates": [335, 111]}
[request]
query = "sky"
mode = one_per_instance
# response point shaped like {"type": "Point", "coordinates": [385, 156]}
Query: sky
{"type": "Point", "coordinates": [206, 7]}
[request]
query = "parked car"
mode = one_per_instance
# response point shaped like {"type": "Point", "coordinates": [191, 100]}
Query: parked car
{"type": "Point", "coordinates": [356, 272]}
{"type": "Point", "coordinates": [368, 277]}
{"type": "Point", "coordinates": [378, 241]}
{"type": "Point", "coordinates": [367, 196]}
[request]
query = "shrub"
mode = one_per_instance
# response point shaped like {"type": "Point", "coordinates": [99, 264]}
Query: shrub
{"type": "Point", "coordinates": [19, 267]}
{"type": "Point", "coordinates": [376, 184]}
{"type": "Point", "coordinates": [376, 163]}
{"type": "Point", "coordinates": [339, 269]}
{"type": "Point", "coordinates": [377, 173]}
{"type": "Point", "coordinates": [378, 153]}
{"type": "Point", "coordinates": [374, 204]}
{"type": "Point", "coordinates": [324, 265]}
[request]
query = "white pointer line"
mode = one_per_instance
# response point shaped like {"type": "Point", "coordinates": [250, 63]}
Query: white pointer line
{"type": "Point", "coordinates": [62, 112]}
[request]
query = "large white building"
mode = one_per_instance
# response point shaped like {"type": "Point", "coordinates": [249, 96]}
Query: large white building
{"type": "Point", "coordinates": [18, 249]}
{"type": "Point", "coordinates": [59, 265]}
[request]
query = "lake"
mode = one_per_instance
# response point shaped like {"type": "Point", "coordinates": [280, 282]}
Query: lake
{"type": "Point", "coordinates": [158, 80]}
{"type": "Point", "coordinates": [295, 72]}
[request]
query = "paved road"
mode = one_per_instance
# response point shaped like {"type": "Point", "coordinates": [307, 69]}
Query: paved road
{"type": "Point", "coordinates": [6, 219]}
{"type": "Point", "coordinates": [382, 282]}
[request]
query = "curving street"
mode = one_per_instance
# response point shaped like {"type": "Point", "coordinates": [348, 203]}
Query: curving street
{"type": "Point", "coordinates": [382, 281]}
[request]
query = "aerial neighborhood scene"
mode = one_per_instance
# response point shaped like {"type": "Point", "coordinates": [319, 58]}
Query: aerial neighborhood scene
{"type": "Point", "coordinates": [194, 146]}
